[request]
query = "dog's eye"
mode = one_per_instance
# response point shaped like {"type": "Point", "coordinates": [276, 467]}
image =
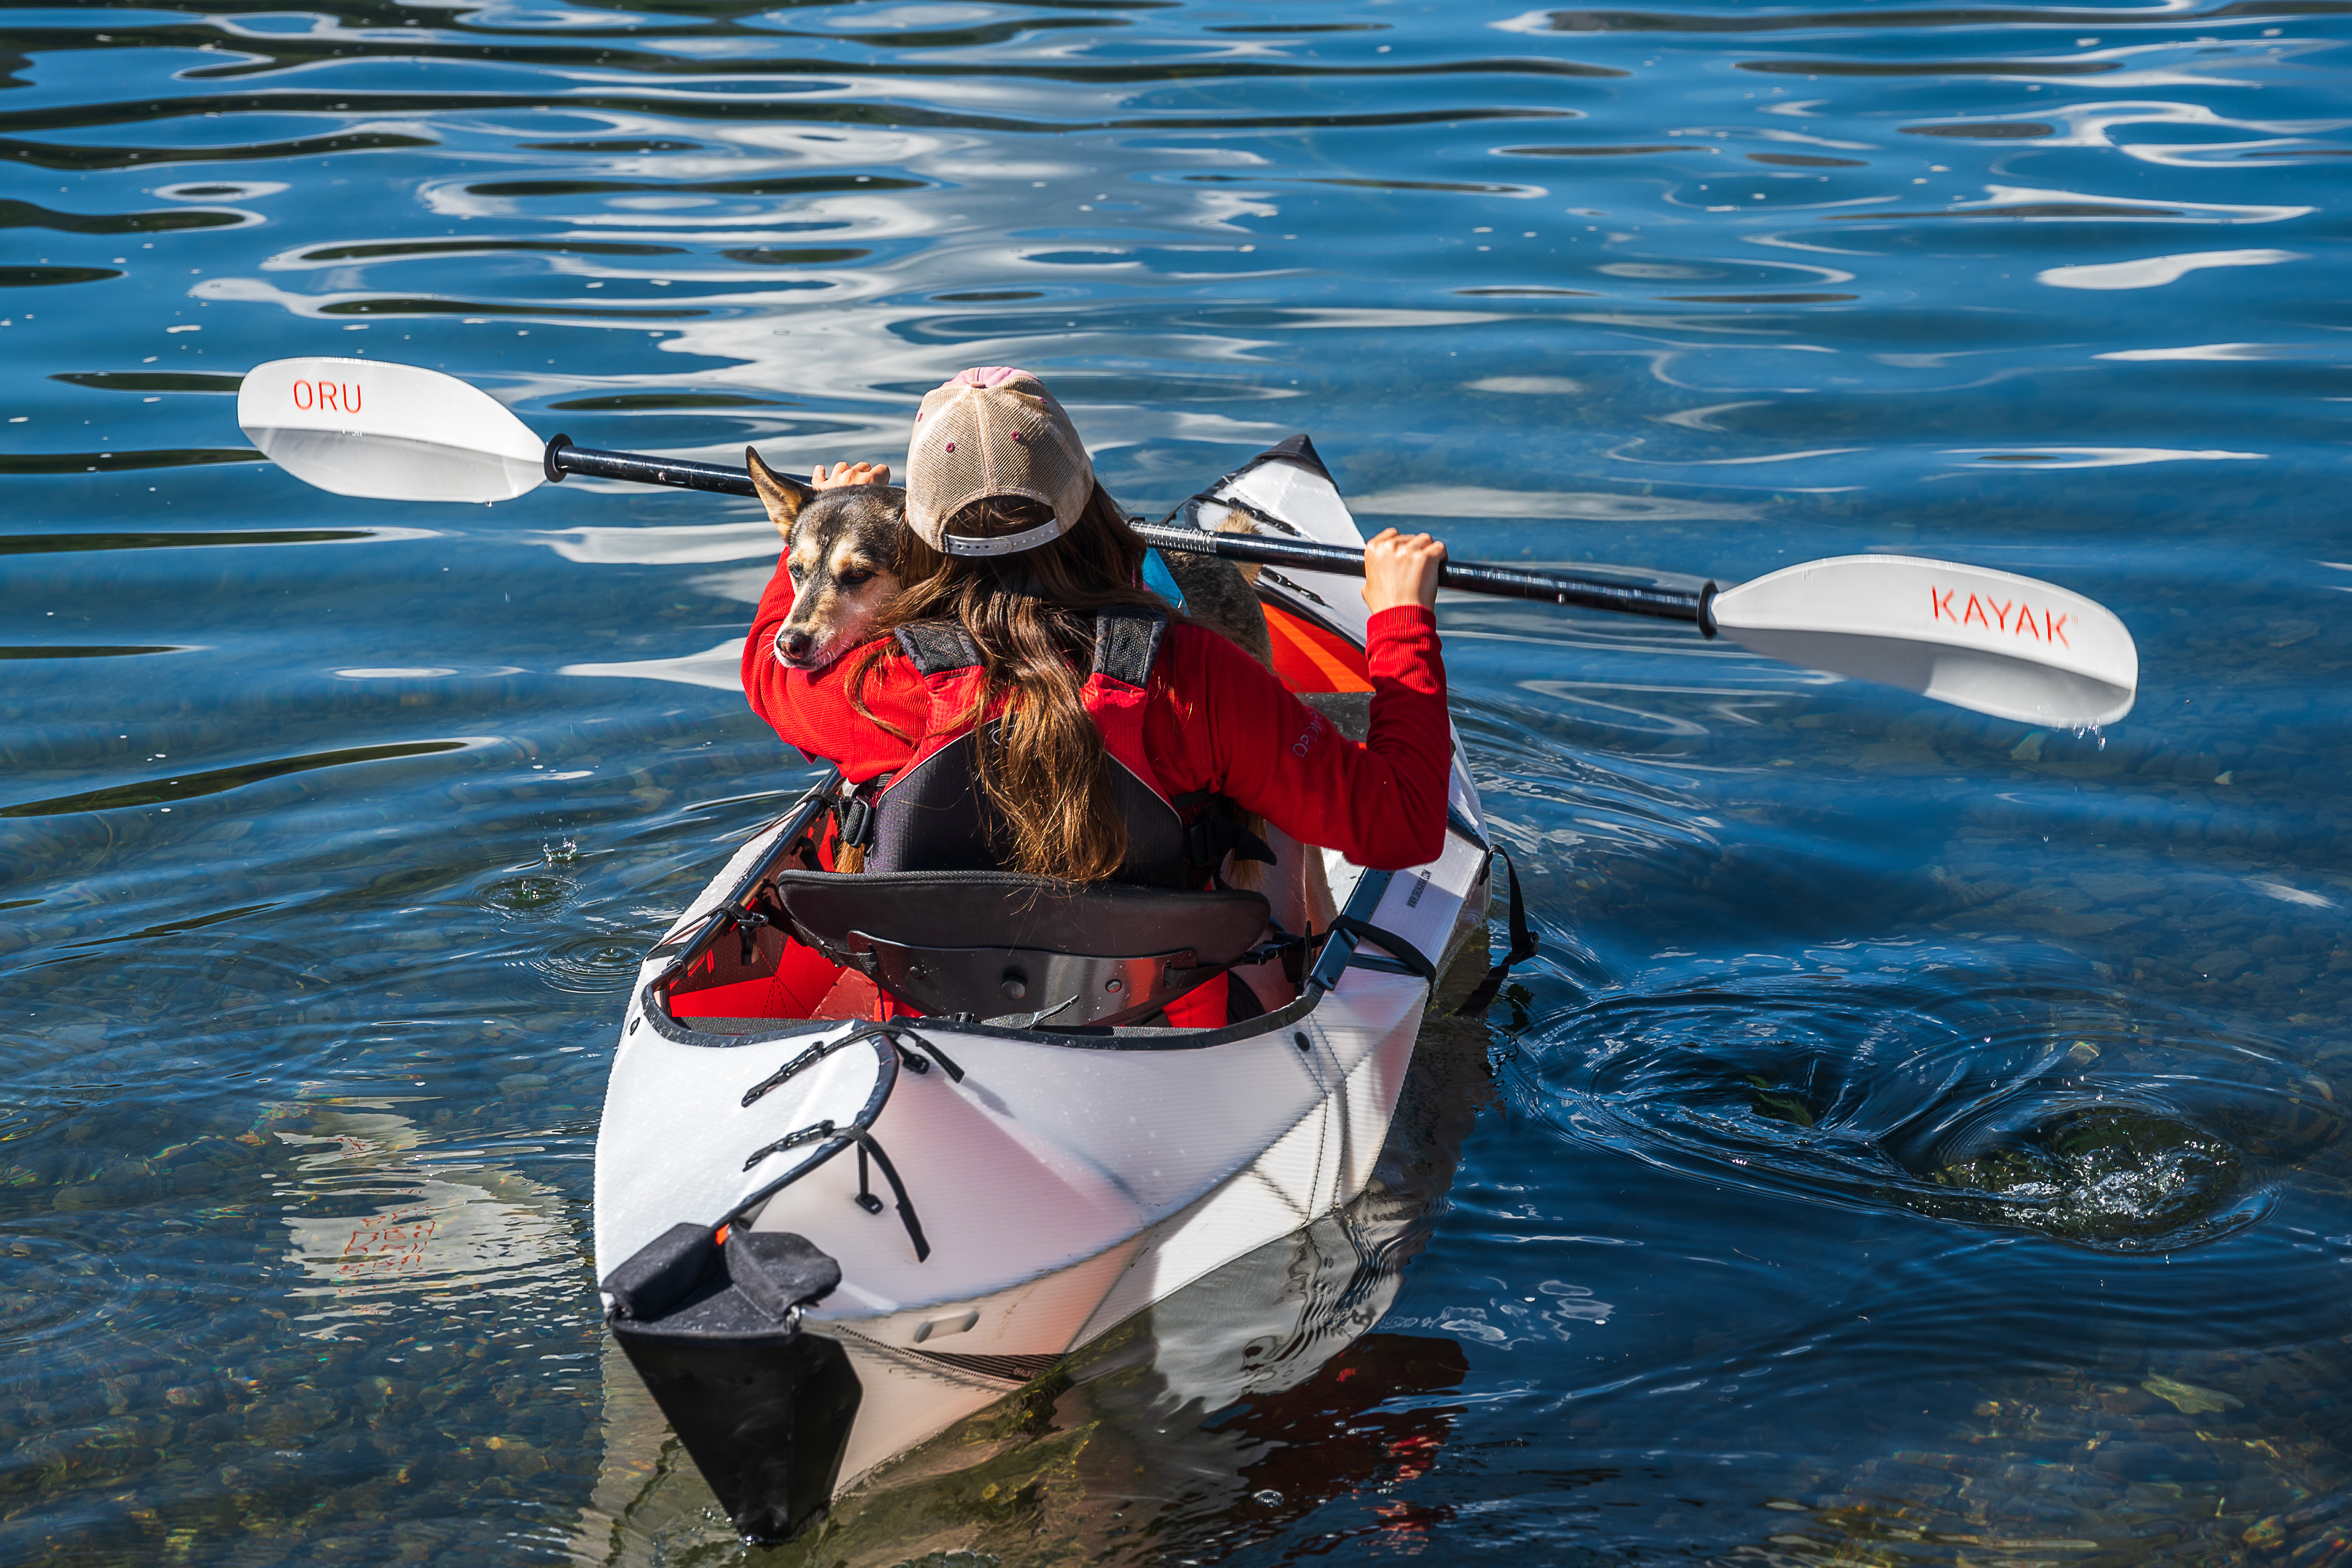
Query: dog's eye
{"type": "Point", "coordinates": [852, 579]}
{"type": "Point", "coordinates": [797, 572]}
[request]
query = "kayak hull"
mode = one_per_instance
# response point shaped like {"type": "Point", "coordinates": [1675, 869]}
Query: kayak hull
{"type": "Point", "coordinates": [996, 1197]}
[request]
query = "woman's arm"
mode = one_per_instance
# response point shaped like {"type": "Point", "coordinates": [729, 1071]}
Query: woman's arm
{"type": "Point", "coordinates": [1228, 724]}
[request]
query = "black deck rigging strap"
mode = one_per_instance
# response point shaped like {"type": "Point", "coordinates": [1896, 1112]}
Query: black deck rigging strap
{"type": "Point", "coordinates": [865, 1199]}
{"type": "Point", "coordinates": [1404, 952]}
{"type": "Point", "coordinates": [866, 1145]}
{"type": "Point", "coordinates": [816, 1133]}
{"type": "Point", "coordinates": [897, 1033]}
{"type": "Point", "coordinates": [902, 1034]}
{"type": "Point", "coordinates": [784, 1074]}
{"type": "Point", "coordinates": [1523, 947]}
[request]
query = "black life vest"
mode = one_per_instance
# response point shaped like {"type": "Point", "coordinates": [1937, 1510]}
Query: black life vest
{"type": "Point", "coordinates": [932, 815]}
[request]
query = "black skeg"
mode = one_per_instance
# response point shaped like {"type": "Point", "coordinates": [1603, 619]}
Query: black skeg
{"type": "Point", "coordinates": [763, 1407]}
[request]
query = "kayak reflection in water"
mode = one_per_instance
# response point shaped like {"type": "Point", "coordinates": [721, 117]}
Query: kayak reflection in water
{"type": "Point", "coordinates": [1010, 697]}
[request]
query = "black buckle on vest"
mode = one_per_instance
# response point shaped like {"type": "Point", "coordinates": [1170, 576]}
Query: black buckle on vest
{"type": "Point", "coordinates": [855, 820]}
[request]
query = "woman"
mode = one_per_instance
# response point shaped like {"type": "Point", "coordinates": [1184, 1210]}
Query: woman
{"type": "Point", "coordinates": [1027, 705]}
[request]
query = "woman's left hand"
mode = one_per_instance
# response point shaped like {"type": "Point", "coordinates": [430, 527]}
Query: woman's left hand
{"type": "Point", "coordinates": [849, 474]}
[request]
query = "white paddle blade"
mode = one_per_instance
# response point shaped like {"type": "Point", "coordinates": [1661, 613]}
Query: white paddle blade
{"type": "Point", "coordinates": [1990, 641]}
{"type": "Point", "coordinates": [392, 432]}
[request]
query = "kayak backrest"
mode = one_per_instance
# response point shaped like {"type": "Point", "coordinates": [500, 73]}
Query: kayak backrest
{"type": "Point", "coordinates": [1000, 945]}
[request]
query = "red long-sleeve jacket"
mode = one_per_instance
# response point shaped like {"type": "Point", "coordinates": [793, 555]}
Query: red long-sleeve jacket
{"type": "Point", "coordinates": [1217, 720]}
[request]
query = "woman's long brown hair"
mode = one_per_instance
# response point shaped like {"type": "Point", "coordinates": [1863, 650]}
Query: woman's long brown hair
{"type": "Point", "coordinates": [1031, 616]}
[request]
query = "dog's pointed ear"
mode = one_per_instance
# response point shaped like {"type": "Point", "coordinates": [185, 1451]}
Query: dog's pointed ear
{"type": "Point", "coordinates": [782, 498]}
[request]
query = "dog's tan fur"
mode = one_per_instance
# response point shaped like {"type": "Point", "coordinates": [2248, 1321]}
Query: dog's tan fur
{"type": "Point", "coordinates": [1224, 595]}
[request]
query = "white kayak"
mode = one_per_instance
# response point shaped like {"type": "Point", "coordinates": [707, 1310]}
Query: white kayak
{"type": "Point", "coordinates": [829, 1226]}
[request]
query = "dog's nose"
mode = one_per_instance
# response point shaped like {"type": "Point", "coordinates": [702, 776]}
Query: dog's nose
{"type": "Point", "coordinates": [796, 645]}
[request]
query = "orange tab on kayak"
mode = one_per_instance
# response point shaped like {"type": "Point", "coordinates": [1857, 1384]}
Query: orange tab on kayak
{"type": "Point", "coordinates": [1309, 658]}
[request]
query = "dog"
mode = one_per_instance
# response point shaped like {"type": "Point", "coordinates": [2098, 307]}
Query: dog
{"type": "Point", "coordinates": [1223, 595]}
{"type": "Point", "coordinates": [849, 550]}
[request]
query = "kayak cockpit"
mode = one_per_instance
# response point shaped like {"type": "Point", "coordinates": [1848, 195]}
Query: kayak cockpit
{"type": "Point", "coordinates": [799, 941]}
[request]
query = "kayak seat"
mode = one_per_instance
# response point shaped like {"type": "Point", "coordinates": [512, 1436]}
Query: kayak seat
{"type": "Point", "coordinates": [1027, 950]}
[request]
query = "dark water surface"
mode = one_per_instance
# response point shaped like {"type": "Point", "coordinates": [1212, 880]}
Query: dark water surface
{"type": "Point", "coordinates": [1920, 1140]}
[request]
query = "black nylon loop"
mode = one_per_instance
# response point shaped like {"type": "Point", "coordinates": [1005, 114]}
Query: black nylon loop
{"type": "Point", "coordinates": [1523, 947]}
{"type": "Point", "coordinates": [1404, 952]}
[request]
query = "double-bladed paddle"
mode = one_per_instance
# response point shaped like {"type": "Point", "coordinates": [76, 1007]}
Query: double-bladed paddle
{"type": "Point", "coordinates": [1992, 641]}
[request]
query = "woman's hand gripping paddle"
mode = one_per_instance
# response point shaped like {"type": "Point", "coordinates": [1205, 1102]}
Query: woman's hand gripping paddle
{"type": "Point", "coordinates": [1990, 641]}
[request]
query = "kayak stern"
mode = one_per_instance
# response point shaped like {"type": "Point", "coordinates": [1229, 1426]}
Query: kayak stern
{"type": "Point", "coordinates": [763, 1407]}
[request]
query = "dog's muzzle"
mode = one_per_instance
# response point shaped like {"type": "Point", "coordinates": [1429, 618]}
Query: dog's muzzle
{"type": "Point", "coordinates": [796, 649]}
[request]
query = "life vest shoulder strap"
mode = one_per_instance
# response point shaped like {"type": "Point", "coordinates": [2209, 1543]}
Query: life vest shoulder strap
{"type": "Point", "coordinates": [1127, 643]}
{"type": "Point", "coordinates": [937, 647]}
{"type": "Point", "coordinates": [931, 816]}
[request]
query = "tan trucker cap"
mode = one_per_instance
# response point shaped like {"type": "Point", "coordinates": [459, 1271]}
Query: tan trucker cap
{"type": "Point", "coordinates": [995, 431]}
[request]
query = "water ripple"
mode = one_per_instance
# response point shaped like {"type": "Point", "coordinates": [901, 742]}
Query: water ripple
{"type": "Point", "coordinates": [1884, 1077]}
{"type": "Point", "coordinates": [2029, 1041]}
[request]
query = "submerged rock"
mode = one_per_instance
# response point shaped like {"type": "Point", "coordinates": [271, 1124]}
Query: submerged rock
{"type": "Point", "coordinates": [2108, 1177]}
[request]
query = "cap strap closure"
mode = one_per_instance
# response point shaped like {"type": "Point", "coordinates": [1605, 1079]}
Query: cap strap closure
{"type": "Point", "coordinates": [1009, 544]}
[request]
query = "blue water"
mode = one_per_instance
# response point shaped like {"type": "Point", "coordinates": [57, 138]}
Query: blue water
{"type": "Point", "coordinates": [1919, 1140]}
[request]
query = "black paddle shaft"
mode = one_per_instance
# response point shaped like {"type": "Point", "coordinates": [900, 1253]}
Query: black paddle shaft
{"type": "Point", "coordinates": [563, 459]}
{"type": "Point", "coordinates": [1585, 592]}
{"type": "Point", "coordinates": [1589, 592]}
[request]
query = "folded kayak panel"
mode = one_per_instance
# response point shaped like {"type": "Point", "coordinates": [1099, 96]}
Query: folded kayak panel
{"type": "Point", "coordinates": [992, 1194]}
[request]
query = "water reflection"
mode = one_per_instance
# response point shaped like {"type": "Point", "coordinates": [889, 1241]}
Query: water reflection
{"type": "Point", "coordinates": [2031, 1041]}
{"type": "Point", "coordinates": [441, 1229]}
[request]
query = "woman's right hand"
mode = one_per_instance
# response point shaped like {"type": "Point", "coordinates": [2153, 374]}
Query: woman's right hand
{"type": "Point", "coordinates": [1401, 569]}
{"type": "Point", "coordinates": [845, 473]}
